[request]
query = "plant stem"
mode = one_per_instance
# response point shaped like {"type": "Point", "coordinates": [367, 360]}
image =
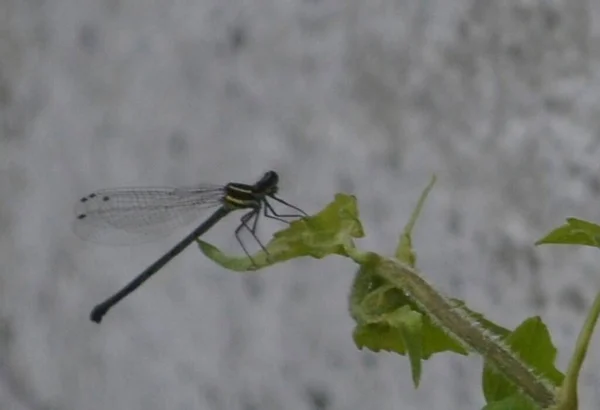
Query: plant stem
{"type": "Point", "coordinates": [568, 392]}
{"type": "Point", "coordinates": [467, 331]}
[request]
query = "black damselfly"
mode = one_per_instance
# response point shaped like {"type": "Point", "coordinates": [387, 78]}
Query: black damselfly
{"type": "Point", "coordinates": [137, 214]}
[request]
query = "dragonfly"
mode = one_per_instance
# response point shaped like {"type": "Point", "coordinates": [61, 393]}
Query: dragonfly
{"type": "Point", "coordinates": [126, 215]}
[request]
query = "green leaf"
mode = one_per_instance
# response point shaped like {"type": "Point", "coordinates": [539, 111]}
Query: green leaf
{"type": "Point", "coordinates": [398, 331]}
{"type": "Point", "coordinates": [405, 251]}
{"type": "Point", "coordinates": [531, 342]}
{"type": "Point", "coordinates": [374, 305]}
{"type": "Point", "coordinates": [388, 320]}
{"type": "Point", "coordinates": [331, 231]}
{"type": "Point", "coordinates": [515, 402]}
{"type": "Point", "coordinates": [410, 325]}
{"type": "Point", "coordinates": [574, 232]}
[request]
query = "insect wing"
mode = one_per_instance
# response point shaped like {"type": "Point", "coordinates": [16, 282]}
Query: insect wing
{"type": "Point", "coordinates": [138, 215]}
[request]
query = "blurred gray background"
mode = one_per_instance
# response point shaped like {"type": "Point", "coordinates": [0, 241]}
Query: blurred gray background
{"type": "Point", "coordinates": [499, 98]}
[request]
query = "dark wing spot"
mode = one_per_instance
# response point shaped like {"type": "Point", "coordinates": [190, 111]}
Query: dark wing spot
{"type": "Point", "coordinates": [81, 216]}
{"type": "Point", "coordinates": [83, 200]}
{"type": "Point", "coordinates": [105, 198]}
{"type": "Point", "coordinates": [92, 195]}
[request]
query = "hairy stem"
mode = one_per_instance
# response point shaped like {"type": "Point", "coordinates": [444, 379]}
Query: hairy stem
{"type": "Point", "coordinates": [467, 331]}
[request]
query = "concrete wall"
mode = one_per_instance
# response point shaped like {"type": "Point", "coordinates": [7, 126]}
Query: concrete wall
{"type": "Point", "coordinates": [499, 98]}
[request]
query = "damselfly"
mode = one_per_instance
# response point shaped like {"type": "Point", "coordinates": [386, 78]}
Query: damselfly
{"type": "Point", "coordinates": [127, 215]}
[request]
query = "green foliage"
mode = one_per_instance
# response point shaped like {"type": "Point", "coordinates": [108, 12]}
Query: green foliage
{"type": "Point", "coordinates": [511, 403]}
{"type": "Point", "coordinates": [531, 342]}
{"type": "Point", "coordinates": [387, 319]}
{"type": "Point", "coordinates": [396, 310]}
{"type": "Point", "coordinates": [329, 232]}
{"type": "Point", "coordinates": [380, 309]}
{"type": "Point", "coordinates": [574, 232]}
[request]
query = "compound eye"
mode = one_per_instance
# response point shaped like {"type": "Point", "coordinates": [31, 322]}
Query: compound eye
{"type": "Point", "coordinates": [272, 175]}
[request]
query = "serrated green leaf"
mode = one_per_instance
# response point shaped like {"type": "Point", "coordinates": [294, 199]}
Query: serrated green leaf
{"type": "Point", "coordinates": [574, 232]}
{"type": "Point", "coordinates": [331, 231]}
{"type": "Point", "coordinates": [531, 342]}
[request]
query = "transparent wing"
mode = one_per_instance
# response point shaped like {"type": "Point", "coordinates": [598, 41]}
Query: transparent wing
{"type": "Point", "coordinates": [138, 215]}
